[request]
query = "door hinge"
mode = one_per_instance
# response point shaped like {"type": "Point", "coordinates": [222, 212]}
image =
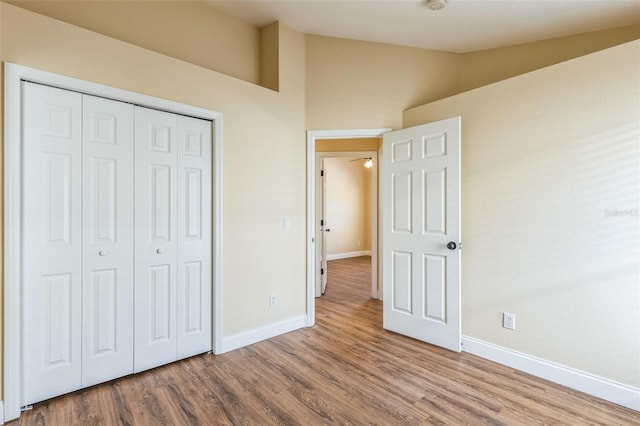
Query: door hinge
{"type": "Point", "coordinates": [321, 172]}
{"type": "Point", "coordinates": [321, 271]}
{"type": "Point", "coordinates": [321, 222]}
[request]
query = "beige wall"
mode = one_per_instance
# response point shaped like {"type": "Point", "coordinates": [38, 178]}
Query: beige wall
{"type": "Point", "coordinates": [263, 182]}
{"type": "Point", "coordinates": [348, 145]}
{"type": "Point", "coordinates": [355, 84]}
{"type": "Point", "coordinates": [348, 205]}
{"type": "Point", "coordinates": [478, 69]}
{"type": "Point", "coordinates": [547, 159]}
{"type": "Point", "coordinates": [187, 30]}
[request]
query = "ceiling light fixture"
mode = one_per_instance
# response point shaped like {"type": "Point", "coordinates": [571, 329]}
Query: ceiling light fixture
{"type": "Point", "coordinates": [369, 163]}
{"type": "Point", "coordinates": [436, 4]}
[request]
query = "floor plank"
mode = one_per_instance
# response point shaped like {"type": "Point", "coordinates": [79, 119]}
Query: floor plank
{"type": "Point", "coordinates": [345, 370]}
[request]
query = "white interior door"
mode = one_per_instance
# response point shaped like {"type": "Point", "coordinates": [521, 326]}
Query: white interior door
{"type": "Point", "coordinates": [194, 236]}
{"type": "Point", "coordinates": [421, 232]}
{"type": "Point", "coordinates": [321, 227]}
{"type": "Point", "coordinates": [156, 228]}
{"type": "Point", "coordinates": [52, 242]}
{"type": "Point", "coordinates": [107, 283]}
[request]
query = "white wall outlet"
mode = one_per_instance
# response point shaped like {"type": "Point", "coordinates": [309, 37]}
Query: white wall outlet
{"type": "Point", "coordinates": [509, 320]}
{"type": "Point", "coordinates": [286, 223]}
{"type": "Point", "coordinates": [273, 299]}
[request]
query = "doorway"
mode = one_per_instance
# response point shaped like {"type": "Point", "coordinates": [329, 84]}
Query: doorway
{"type": "Point", "coordinates": [346, 209]}
{"type": "Point", "coordinates": [314, 138]}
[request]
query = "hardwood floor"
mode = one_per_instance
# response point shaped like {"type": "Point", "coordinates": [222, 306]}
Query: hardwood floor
{"type": "Point", "coordinates": [345, 370]}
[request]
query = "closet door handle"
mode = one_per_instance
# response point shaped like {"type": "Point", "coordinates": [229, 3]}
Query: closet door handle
{"type": "Point", "coordinates": [160, 251]}
{"type": "Point", "coordinates": [103, 253]}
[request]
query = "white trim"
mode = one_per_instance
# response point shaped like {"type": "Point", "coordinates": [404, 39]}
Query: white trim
{"type": "Point", "coordinates": [606, 389]}
{"type": "Point", "coordinates": [312, 136]}
{"type": "Point", "coordinates": [14, 75]}
{"type": "Point", "coordinates": [262, 333]}
{"type": "Point", "coordinates": [12, 241]}
{"type": "Point", "coordinates": [348, 254]}
{"type": "Point", "coordinates": [1, 412]}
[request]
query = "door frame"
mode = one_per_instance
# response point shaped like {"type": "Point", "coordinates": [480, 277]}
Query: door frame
{"type": "Point", "coordinates": [374, 209]}
{"type": "Point", "coordinates": [312, 137]}
{"type": "Point", "coordinates": [14, 75]}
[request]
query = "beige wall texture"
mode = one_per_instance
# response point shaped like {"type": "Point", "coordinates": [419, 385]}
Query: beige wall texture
{"type": "Point", "coordinates": [263, 182]}
{"type": "Point", "coordinates": [348, 205]}
{"type": "Point", "coordinates": [187, 30]}
{"type": "Point", "coordinates": [348, 145]}
{"type": "Point", "coordinates": [477, 69]}
{"type": "Point", "coordinates": [357, 84]}
{"type": "Point", "coordinates": [550, 199]}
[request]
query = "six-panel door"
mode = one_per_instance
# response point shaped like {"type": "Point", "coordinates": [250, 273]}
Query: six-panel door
{"type": "Point", "coordinates": [52, 239]}
{"type": "Point", "coordinates": [421, 202]}
{"type": "Point", "coordinates": [107, 277]}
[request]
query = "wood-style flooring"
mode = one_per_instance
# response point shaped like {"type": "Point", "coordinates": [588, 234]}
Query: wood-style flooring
{"type": "Point", "coordinates": [345, 370]}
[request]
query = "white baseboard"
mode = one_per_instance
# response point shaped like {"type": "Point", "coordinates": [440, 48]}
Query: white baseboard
{"type": "Point", "coordinates": [348, 254]}
{"type": "Point", "coordinates": [1, 412]}
{"type": "Point", "coordinates": [606, 389]}
{"type": "Point", "coordinates": [261, 333]}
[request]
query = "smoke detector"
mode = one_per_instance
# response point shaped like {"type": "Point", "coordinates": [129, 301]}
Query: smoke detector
{"type": "Point", "coordinates": [436, 4]}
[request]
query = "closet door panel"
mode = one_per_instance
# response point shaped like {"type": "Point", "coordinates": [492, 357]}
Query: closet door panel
{"type": "Point", "coordinates": [155, 238]}
{"type": "Point", "coordinates": [52, 243]}
{"type": "Point", "coordinates": [194, 236]}
{"type": "Point", "coordinates": [107, 319]}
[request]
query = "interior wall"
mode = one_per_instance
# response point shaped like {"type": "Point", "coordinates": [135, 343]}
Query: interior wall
{"type": "Point", "coordinates": [348, 205]}
{"type": "Point", "coordinates": [348, 145]}
{"type": "Point", "coordinates": [480, 68]}
{"type": "Point", "coordinates": [550, 201]}
{"type": "Point", "coordinates": [188, 30]}
{"type": "Point", "coordinates": [358, 85]}
{"type": "Point", "coordinates": [263, 181]}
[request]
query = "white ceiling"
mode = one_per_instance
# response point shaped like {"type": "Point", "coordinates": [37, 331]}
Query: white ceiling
{"type": "Point", "coordinates": [462, 26]}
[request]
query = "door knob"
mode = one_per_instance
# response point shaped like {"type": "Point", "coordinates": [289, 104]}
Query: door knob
{"type": "Point", "coordinates": [451, 245]}
{"type": "Point", "coordinates": [103, 253]}
{"type": "Point", "coordinates": [160, 251]}
{"type": "Point", "coordinates": [327, 230]}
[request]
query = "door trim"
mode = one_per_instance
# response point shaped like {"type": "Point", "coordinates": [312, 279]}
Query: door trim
{"type": "Point", "coordinates": [14, 75]}
{"type": "Point", "coordinates": [312, 137]}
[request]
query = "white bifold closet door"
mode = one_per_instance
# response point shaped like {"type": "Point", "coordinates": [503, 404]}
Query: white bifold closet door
{"type": "Point", "coordinates": [52, 243]}
{"type": "Point", "coordinates": [78, 243]}
{"type": "Point", "coordinates": [173, 237]}
{"type": "Point", "coordinates": [107, 235]}
{"type": "Point", "coordinates": [116, 240]}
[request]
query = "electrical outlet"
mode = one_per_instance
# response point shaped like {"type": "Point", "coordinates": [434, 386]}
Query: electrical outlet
{"type": "Point", "coordinates": [273, 299]}
{"type": "Point", "coordinates": [509, 320]}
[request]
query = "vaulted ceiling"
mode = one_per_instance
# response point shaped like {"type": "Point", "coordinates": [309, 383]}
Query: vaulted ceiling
{"type": "Point", "coordinates": [462, 26]}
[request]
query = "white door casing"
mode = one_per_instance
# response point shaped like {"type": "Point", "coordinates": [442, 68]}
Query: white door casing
{"type": "Point", "coordinates": [51, 314]}
{"type": "Point", "coordinates": [421, 216]}
{"type": "Point", "coordinates": [107, 261]}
